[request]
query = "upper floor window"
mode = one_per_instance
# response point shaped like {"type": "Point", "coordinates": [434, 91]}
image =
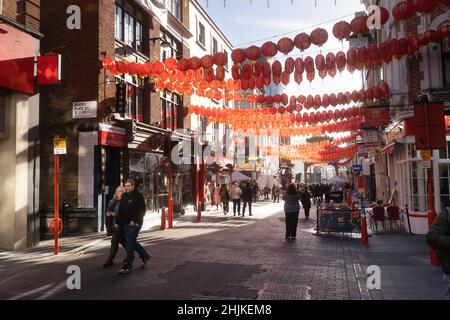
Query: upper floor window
{"type": "Point", "coordinates": [446, 62]}
{"type": "Point", "coordinates": [130, 30]}
{"type": "Point", "coordinates": [174, 7]}
{"type": "Point", "coordinates": [215, 46]}
{"type": "Point", "coordinates": [201, 34]}
{"type": "Point", "coordinates": [228, 56]}
{"type": "Point", "coordinates": [175, 50]}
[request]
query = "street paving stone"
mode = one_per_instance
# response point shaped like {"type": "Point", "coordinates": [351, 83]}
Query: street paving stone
{"type": "Point", "coordinates": [226, 257]}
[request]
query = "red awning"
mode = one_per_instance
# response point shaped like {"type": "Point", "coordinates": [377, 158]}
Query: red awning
{"type": "Point", "coordinates": [389, 149]}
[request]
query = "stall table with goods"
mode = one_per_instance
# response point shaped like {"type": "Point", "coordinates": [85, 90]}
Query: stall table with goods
{"type": "Point", "coordinates": [338, 219]}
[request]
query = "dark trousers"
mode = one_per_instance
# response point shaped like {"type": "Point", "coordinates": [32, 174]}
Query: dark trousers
{"type": "Point", "coordinates": [131, 233]}
{"type": "Point", "coordinates": [226, 206]}
{"type": "Point", "coordinates": [116, 239]}
{"type": "Point", "coordinates": [237, 205]}
{"type": "Point", "coordinates": [276, 198]}
{"type": "Point", "coordinates": [245, 207]}
{"type": "Point", "coordinates": [307, 212]}
{"type": "Point", "coordinates": [291, 224]}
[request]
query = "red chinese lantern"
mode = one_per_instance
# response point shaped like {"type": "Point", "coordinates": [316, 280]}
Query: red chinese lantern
{"type": "Point", "coordinates": [301, 99]}
{"type": "Point", "coordinates": [281, 110]}
{"type": "Point", "coordinates": [431, 36]}
{"type": "Point", "coordinates": [319, 37]}
{"type": "Point", "coordinates": [323, 73]}
{"type": "Point", "coordinates": [289, 65]}
{"type": "Point", "coordinates": [363, 55]}
{"type": "Point", "coordinates": [445, 3]}
{"type": "Point", "coordinates": [444, 32]}
{"type": "Point", "coordinates": [220, 59]}
{"type": "Point", "coordinates": [340, 98]}
{"type": "Point", "coordinates": [385, 52]}
{"type": "Point", "coordinates": [311, 76]}
{"type": "Point", "coordinates": [425, 6]}
{"type": "Point", "coordinates": [302, 41]}
{"type": "Point", "coordinates": [359, 25]}
{"type": "Point", "coordinates": [253, 53]}
{"type": "Point", "coordinates": [384, 88]}
{"type": "Point", "coordinates": [362, 95]}
{"type": "Point", "coordinates": [266, 70]}
{"type": "Point", "coordinates": [332, 72]}
{"type": "Point", "coordinates": [393, 46]}
{"type": "Point", "coordinates": [238, 56]}
{"type": "Point", "coordinates": [309, 102]}
{"type": "Point", "coordinates": [236, 72]}
{"type": "Point", "coordinates": [183, 65]}
{"type": "Point", "coordinates": [331, 61]}
{"type": "Point", "coordinates": [352, 57]}
{"type": "Point", "coordinates": [404, 10]}
{"type": "Point", "coordinates": [370, 94]}
{"type": "Point", "coordinates": [374, 53]}
{"type": "Point", "coordinates": [298, 77]}
{"type": "Point", "coordinates": [317, 102]}
{"type": "Point", "coordinates": [247, 71]}
{"type": "Point", "coordinates": [299, 66]}
{"type": "Point", "coordinates": [342, 30]}
{"type": "Point", "coordinates": [220, 73]}
{"type": "Point", "coordinates": [195, 63]}
{"type": "Point", "coordinates": [278, 98]}
{"type": "Point", "coordinates": [257, 69]}
{"type": "Point", "coordinates": [269, 49]}
{"type": "Point", "coordinates": [309, 65]}
{"type": "Point", "coordinates": [277, 69]}
{"type": "Point", "coordinates": [325, 101]}
{"type": "Point", "coordinates": [207, 61]}
{"type": "Point", "coordinates": [285, 78]}
{"type": "Point", "coordinates": [341, 61]}
{"type": "Point", "coordinates": [333, 100]}
{"type": "Point", "coordinates": [413, 44]}
{"type": "Point", "coordinates": [403, 48]}
{"type": "Point", "coordinates": [285, 45]}
{"type": "Point", "coordinates": [384, 15]}
{"type": "Point", "coordinates": [355, 96]}
{"type": "Point", "coordinates": [320, 62]}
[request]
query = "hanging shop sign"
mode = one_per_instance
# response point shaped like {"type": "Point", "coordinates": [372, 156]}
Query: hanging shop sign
{"type": "Point", "coordinates": [110, 136]}
{"type": "Point", "coordinates": [49, 69]}
{"type": "Point", "coordinates": [370, 138]}
{"type": "Point", "coordinates": [376, 117]}
{"type": "Point", "coordinates": [84, 110]}
{"type": "Point", "coordinates": [447, 123]}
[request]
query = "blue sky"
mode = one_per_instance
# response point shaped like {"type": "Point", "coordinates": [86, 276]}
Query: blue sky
{"type": "Point", "coordinates": [243, 22]}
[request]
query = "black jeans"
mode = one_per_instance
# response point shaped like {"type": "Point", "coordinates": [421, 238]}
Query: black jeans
{"type": "Point", "coordinates": [131, 234]}
{"type": "Point", "coordinates": [307, 212]}
{"type": "Point", "coordinates": [245, 207]}
{"type": "Point", "coordinates": [291, 224]}
{"type": "Point", "coordinates": [237, 205]}
{"type": "Point", "coordinates": [116, 239]}
{"type": "Point", "coordinates": [226, 206]}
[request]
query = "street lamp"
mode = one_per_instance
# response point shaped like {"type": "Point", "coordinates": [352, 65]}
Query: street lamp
{"type": "Point", "coordinates": [164, 42]}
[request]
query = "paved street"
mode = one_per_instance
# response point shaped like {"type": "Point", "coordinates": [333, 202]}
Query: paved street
{"type": "Point", "coordinates": [229, 258]}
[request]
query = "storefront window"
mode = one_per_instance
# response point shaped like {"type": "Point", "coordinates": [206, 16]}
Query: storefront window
{"type": "Point", "coordinates": [444, 184]}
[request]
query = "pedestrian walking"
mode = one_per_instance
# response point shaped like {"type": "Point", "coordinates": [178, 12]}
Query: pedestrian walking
{"type": "Point", "coordinates": [208, 193]}
{"type": "Point", "coordinates": [225, 198]}
{"type": "Point", "coordinates": [255, 192]}
{"type": "Point", "coordinates": [247, 195]}
{"type": "Point", "coordinates": [131, 217]}
{"type": "Point", "coordinates": [439, 238]}
{"type": "Point", "coordinates": [236, 194]}
{"type": "Point", "coordinates": [277, 195]}
{"type": "Point", "coordinates": [113, 227]}
{"type": "Point", "coordinates": [305, 198]}
{"type": "Point", "coordinates": [217, 199]}
{"type": "Point", "coordinates": [291, 210]}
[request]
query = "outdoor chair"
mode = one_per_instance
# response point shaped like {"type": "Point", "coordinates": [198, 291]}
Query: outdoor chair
{"type": "Point", "coordinates": [393, 216]}
{"type": "Point", "coordinates": [378, 216]}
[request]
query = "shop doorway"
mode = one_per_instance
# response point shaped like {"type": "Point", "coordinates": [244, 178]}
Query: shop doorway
{"type": "Point", "coordinates": [112, 172]}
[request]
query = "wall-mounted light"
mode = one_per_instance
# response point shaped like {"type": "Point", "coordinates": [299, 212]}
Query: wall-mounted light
{"type": "Point", "coordinates": [164, 42]}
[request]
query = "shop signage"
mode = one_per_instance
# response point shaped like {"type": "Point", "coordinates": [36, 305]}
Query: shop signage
{"type": "Point", "coordinates": [357, 168]}
{"type": "Point", "coordinates": [429, 128]}
{"type": "Point", "coordinates": [370, 138]}
{"type": "Point", "coordinates": [447, 123]}
{"type": "Point", "coordinates": [49, 69]}
{"type": "Point", "coordinates": [59, 146]}
{"type": "Point", "coordinates": [84, 110]}
{"type": "Point", "coordinates": [376, 117]}
{"type": "Point", "coordinates": [336, 220]}
{"type": "Point", "coordinates": [110, 136]}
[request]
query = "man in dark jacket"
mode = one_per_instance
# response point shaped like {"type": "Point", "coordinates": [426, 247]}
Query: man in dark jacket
{"type": "Point", "coordinates": [247, 195]}
{"type": "Point", "coordinates": [131, 217]}
{"type": "Point", "coordinates": [439, 238]}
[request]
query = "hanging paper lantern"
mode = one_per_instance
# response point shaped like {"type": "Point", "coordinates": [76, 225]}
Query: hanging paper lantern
{"type": "Point", "coordinates": [320, 62]}
{"type": "Point", "coordinates": [325, 101]}
{"type": "Point", "coordinates": [311, 76]}
{"type": "Point", "coordinates": [269, 49]}
{"type": "Point", "coordinates": [403, 48]}
{"type": "Point", "coordinates": [370, 94]}
{"type": "Point", "coordinates": [425, 6]}
{"type": "Point", "coordinates": [285, 78]}
{"type": "Point", "coordinates": [298, 77]}
{"type": "Point", "coordinates": [362, 95]}
{"type": "Point", "coordinates": [363, 55]}
{"type": "Point", "coordinates": [285, 45]}
{"type": "Point", "coordinates": [309, 102]}
{"type": "Point", "coordinates": [359, 26]}
{"type": "Point", "coordinates": [247, 71]}
{"type": "Point", "coordinates": [352, 57]}
{"type": "Point", "coordinates": [302, 41]}
{"type": "Point", "coordinates": [413, 44]}
{"type": "Point", "coordinates": [323, 73]}
{"type": "Point", "coordinates": [301, 99]}
{"type": "Point", "coordinates": [252, 83]}
{"type": "Point", "coordinates": [444, 32]}
{"type": "Point", "coordinates": [220, 73]}
{"type": "Point", "coordinates": [281, 110]}
{"type": "Point", "coordinates": [431, 36]}
{"type": "Point", "coordinates": [293, 101]}
{"type": "Point", "coordinates": [331, 61]}
{"type": "Point", "coordinates": [319, 37]}
{"type": "Point", "coordinates": [289, 65]}
{"type": "Point", "coordinates": [253, 53]}
{"type": "Point", "coordinates": [317, 101]}
{"type": "Point", "coordinates": [277, 69]}
{"type": "Point", "coordinates": [195, 63]}
{"type": "Point", "coordinates": [341, 61]}
{"type": "Point", "coordinates": [207, 61]}
{"type": "Point", "coordinates": [299, 66]}
{"type": "Point", "coordinates": [445, 3]}
{"type": "Point", "coordinates": [342, 30]}
{"type": "Point", "coordinates": [384, 15]}
{"type": "Point", "coordinates": [355, 96]}
{"type": "Point", "coordinates": [374, 53]}
{"type": "Point", "coordinates": [393, 46]}
{"type": "Point", "coordinates": [309, 65]}
{"type": "Point", "coordinates": [384, 88]}
{"type": "Point", "coordinates": [244, 85]}
{"type": "Point", "coordinates": [220, 59]}
{"type": "Point", "coordinates": [238, 56]}
{"type": "Point", "coordinates": [184, 65]}
{"type": "Point", "coordinates": [333, 100]}
{"type": "Point", "coordinates": [277, 79]}
{"type": "Point", "coordinates": [404, 10]}
{"type": "Point", "coordinates": [236, 72]}
{"type": "Point", "coordinates": [385, 52]}
{"type": "Point", "coordinates": [257, 69]}
{"type": "Point", "coordinates": [266, 70]}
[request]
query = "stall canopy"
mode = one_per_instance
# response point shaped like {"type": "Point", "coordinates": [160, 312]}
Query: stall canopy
{"type": "Point", "coordinates": [239, 177]}
{"type": "Point", "coordinates": [268, 181]}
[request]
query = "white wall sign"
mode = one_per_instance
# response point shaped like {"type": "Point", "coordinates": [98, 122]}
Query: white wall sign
{"type": "Point", "coordinates": [85, 110]}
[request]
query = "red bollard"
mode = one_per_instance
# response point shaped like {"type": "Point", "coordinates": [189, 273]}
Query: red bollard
{"type": "Point", "coordinates": [364, 234]}
{"type": "Point", "coordinates": [163, 219]}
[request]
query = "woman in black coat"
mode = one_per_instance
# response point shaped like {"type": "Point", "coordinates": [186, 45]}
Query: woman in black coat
{"type": "Point", "coordinates": [305, 198]}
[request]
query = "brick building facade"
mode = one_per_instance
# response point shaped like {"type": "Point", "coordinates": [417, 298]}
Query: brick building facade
{"type": "Point", "coordinates": [125, 30]}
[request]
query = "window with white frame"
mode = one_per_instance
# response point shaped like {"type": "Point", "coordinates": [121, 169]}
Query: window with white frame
{"type": "Point", "coordinates": [130, 29]}
{"type": "Point", "coordinates": [201, 34]}
{"type": "Point", "coordinates": [174, 7]}
{"type": "Point", "coordinates": [119, 23]}
{"type": "Point", "coordinates": [215, 46]}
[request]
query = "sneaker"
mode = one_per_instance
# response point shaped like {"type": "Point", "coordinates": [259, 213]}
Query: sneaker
{"type": "Point", "coordinates": [250, 215]}
{"type": "Point", "coordinates": [125, 270]}
{"type": "Point", "coordinates": [108, 264]}
{"type": "Point", "coordinates": [145, 261]}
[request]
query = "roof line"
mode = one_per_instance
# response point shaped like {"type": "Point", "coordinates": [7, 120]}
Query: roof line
{"type": "Point", "coordinates": [22, 27]}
